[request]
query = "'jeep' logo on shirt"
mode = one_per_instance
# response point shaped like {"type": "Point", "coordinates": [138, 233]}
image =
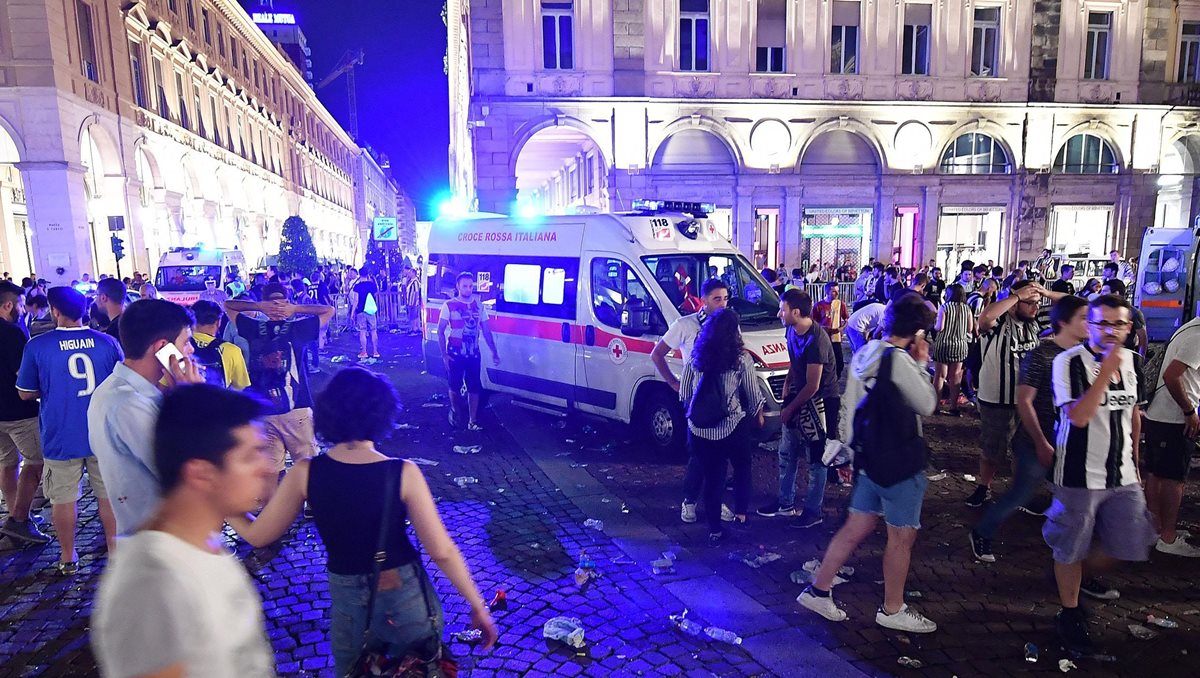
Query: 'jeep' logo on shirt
{"type": "Point", "coordinates": [1118, 401]}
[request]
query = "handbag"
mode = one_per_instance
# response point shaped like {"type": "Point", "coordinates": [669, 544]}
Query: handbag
{"type": "Point", "coordinates": [436, 662]}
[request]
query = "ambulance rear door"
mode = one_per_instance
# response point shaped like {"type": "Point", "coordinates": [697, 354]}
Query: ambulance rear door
{"type": "Point", "coordinates": [1165, 271]}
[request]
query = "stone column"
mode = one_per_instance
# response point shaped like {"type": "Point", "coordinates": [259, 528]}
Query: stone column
{"type": "Point", "coordinates": [791, 213]}
{"type": "Point", "coordinates": [743, 221]}
{"type": "Point", "coordinates": [58, 216]}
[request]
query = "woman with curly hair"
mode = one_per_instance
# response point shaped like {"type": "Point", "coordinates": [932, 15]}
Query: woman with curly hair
{"type": "Point", "coordinates": [346, 489]}
{"type": "Point", "coordinates": [720, 355]}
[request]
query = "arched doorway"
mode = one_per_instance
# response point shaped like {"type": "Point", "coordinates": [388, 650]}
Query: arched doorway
{"type": "Point", "coordinates": [696, 164]}
{"type": "Point", "coordinates": [560, 168]}
{"type": "Point", "coordinates": [841, 174]}
{"type": "Point", "coordinates": [1176, 178]}
{"type": "Point", "coordinates": [16, 236]}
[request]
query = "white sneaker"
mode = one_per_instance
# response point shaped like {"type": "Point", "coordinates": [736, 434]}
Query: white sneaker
{"type": "Point", "coordinates": [727, 516]}
{"type": "Point", "coordinates": [822, 605]}
{"type": "Point", "coordinates": [907, 619]}
{"type": "Point", "coordinates": [1179, 547]}
{"type": "Point", "coordinates": [688, 513]}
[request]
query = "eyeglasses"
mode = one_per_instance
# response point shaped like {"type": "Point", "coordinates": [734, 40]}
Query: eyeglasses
{"type": "Point", "coordinates": [1107, 326]}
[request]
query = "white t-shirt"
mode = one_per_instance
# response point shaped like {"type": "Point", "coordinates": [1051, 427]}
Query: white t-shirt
{"type": "Point", "coordinates": [866, 319]}
{"type": "Point", "coordinates": [1186, 349]}
{"type": "Point", "coordinates": [682, 334]}
{"type": "Point", "coordinates": [163, 601]}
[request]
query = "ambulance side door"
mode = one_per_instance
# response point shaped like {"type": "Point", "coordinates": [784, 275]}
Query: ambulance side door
{"type": "Point", "coordinates": [614, 356]}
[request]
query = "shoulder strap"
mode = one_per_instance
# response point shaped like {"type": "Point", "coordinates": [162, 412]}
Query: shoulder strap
{"type": "Point", "coordinates": [391, 487]}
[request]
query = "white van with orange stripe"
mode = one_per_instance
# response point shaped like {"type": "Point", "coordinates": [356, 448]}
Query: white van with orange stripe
{"type": "Point", "coordinates": [578, 302]}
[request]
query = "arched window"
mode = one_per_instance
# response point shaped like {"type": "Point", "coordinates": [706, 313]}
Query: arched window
{"type": "Point", "coordinates": [975, 153]}
{"type": "Point", "coordinates": [1086, 154]}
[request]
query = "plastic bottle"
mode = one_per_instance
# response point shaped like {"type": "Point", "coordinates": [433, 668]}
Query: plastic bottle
{"type": "Point", "coordinates": [686, 625]}
{"type": "Point", "coordinates": [722, 635]}
{"type": "Point", "coordinates": [463, 481]}
{"type": "Point", "coordinates": [594, 524]}
{"type": "Point", "coordinates": [567, 629]}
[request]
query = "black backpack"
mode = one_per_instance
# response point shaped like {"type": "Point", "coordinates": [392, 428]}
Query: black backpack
{"type": "Point", "coordinates": [887, 443]}
{"type": "Point", "coordinates": [209, 358]}
{"type": "Point", "coordinates": [709, 405]}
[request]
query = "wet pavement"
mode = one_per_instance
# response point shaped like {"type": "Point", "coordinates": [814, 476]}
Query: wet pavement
{"type": "Point", "coordinates": [522, 529]}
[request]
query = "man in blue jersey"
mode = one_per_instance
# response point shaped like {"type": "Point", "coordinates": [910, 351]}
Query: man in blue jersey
{"type": "Point", "coordinates": [63, 367]}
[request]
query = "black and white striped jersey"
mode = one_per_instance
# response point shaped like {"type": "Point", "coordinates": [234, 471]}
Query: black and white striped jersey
{"type": "Point", "coordinates": [1004, 347]}
{"type": "Point", "coordinates": [1099, 455]}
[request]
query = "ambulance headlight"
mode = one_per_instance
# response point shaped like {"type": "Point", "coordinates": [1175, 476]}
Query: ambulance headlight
{"type": "Point", "coordinates": [1172, 285]}
{"type": "Point", "coordinates": [1152, 288]}
{"type": "Point", "coordinates": [1171, 265]}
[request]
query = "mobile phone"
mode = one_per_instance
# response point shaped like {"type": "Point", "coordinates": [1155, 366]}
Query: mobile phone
{"type": "Point", "coordinates": [165, 354]}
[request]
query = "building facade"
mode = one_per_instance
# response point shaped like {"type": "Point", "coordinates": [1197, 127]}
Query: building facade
{"type": "Point", "coordinates": [378, 192]}
{"type": "Point", "coordinates": [176, 120]}
{"type": "Point", "coordinates": [833, 131]}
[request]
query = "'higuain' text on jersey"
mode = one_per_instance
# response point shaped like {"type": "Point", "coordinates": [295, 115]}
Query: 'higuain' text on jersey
{"type": "Point", "coordinates": [1004, 347]}
{"type": "Point", "coordinates": [1098, 455]}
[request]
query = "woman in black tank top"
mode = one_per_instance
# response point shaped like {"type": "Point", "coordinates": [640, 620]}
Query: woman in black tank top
{"type": "Point", "coordinates": [345, 488]}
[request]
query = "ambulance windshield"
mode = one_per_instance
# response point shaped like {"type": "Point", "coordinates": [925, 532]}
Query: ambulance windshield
{"type": "Point", "coordinates": [680, 276]}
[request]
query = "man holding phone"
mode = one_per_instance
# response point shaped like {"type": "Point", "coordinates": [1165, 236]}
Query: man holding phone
{"type": "Point", "coordinates": [155, 336]}
{"type": "Point", "coordinates": [277, 335]}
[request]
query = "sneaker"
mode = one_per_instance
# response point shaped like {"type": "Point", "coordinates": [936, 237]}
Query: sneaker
{"type": "Point", "coordinates": [822, 605]}
{"type": "Point", "coordinates": [981, 547]}
{"type": "Point", "coordinates": [687, 513]}
{"type": "Point", "coordinates": [1179, 547]}
{"type": "Point", "coordinates": [377, 356]}
{"type": "Point", "coordinates": [1035, 507]}
{"type": "Point", "coordinates": [727, 516]}
{"type": "Point", "coordinates": [906, 619]}
{"type": "Point", "coordinates": [472, 426]}
{"type": "Point", "coordinates": [362, 355]}
{"type": "Point", "coordinates": [1094, 588]}
{"type": "Point", "coordinates": [1072, 630]}
{"type": "Point", "coordinates": [807, 520]}
{"type": "Point", "coordinates": [27, 531]}
{"type": "Point", "coordinates": [68, 569]}
{"type": "Point", "coordinates": [776, 510]}
{"type": "Point", "coordinates": [979, 497]}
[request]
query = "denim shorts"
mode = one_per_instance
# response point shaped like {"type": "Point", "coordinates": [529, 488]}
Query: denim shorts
{"type": "Point", "coordinates": [900, 504]}
{"type": "Point", "coordinates": [401, 621]}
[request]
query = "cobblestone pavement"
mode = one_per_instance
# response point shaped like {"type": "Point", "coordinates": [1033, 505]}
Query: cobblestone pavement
{"type": "Point", "coordinates": [517, 529]}
{"type": "Point", "coordinates": [521, 529]}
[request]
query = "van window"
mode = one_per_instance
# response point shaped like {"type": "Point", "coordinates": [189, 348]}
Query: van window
{"type": "Point", "coordinates": [541, 286]}
{"type": "Point", "coordinates": [681, 276]}
{"type": "Point", "coordinates": [185, 278]}
{"type": "Point", "coordinates": [615, 286]}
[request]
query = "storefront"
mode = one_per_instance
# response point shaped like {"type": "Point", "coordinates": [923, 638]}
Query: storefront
{"type": "Point", "coordinates": [968, 233]}
{"type": "Point", "coordinates": [835, 235]}
{"type": "Point", "coordinates": [1080, 231]}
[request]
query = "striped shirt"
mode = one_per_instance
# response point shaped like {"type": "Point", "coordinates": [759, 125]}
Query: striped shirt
{"type": "Point", "coordinates": [1099, 455]}
{"type": "Point", "coordinates": [1004, 346]}
{"type": "Point", "coordinates": [741, 387]}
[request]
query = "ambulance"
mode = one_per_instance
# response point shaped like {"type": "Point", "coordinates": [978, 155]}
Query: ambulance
{"type": "Point", "coordinates": [183, 270]}
{"type": "Point", "coordinates": [1168, 279]}
{"type": "Point", "coordinates": [577, 303]}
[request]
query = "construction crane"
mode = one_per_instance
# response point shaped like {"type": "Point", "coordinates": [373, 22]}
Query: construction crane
{"type": "Point", "coordinates": [352, 58]}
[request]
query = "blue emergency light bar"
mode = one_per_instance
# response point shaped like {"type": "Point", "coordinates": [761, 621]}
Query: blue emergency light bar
{"type": "Point", "coordinates": [693, 208]}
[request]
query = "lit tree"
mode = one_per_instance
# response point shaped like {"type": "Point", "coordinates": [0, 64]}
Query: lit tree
{"type": "Point", "coordinates": [297, 254]}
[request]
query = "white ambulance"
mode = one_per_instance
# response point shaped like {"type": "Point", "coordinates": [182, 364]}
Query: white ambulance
{"type": "Point", "coordinates": [577, 303]}
{"type": "Point", "coordinates": [1168, 286]}
{"type": "Point", "coordinates": [183, 270]}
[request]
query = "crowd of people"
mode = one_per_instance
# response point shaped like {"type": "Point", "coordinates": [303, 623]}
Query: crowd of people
{"type": "Point", "coordinates": [1056, 375]}
{"type": "Point", "coordinates": [182, 420]}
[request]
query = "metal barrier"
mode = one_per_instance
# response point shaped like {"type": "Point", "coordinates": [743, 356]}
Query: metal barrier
{"type": "Point", "coordinates": [817, 291]}
{"type": "Point", "coordinates": [392, 314]}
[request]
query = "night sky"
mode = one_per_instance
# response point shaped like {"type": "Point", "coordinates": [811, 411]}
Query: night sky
{"type": "Point", "coordinates": [402, 92]}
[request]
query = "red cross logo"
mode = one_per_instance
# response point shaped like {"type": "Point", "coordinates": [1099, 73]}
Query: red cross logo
{"type": "Point", "coordinates": [617, 350]}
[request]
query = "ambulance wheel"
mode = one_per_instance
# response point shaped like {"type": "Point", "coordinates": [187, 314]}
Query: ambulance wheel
{"type": "Point", "coordinates": [660, 419]}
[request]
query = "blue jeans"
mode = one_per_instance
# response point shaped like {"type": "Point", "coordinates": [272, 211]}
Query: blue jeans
{"type": "Point", "coordinates": [400, 621]}
{"type": "Point", "coordinates": [1029, 475]}
{"type": "Point", "coordinates": [792, 448]}
{"type": "Point", "coordinates": [900, 504]}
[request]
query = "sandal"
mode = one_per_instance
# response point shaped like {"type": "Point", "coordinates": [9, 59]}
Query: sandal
{"type": "Point", "coordinates": [68, 569]}
{"type": "Point", "coordinates": [472, 426]}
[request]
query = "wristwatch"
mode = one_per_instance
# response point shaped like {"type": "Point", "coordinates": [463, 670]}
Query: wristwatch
{"type": "Point", "coordinates": [1189, 413]}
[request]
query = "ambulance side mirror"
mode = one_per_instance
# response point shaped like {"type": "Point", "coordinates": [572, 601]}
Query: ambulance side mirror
{"type": "Point", "coordinates": [635, 319]}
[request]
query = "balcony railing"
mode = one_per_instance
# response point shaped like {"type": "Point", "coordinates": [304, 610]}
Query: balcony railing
{"type": "Point", "coordinates": [1183, 93]}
